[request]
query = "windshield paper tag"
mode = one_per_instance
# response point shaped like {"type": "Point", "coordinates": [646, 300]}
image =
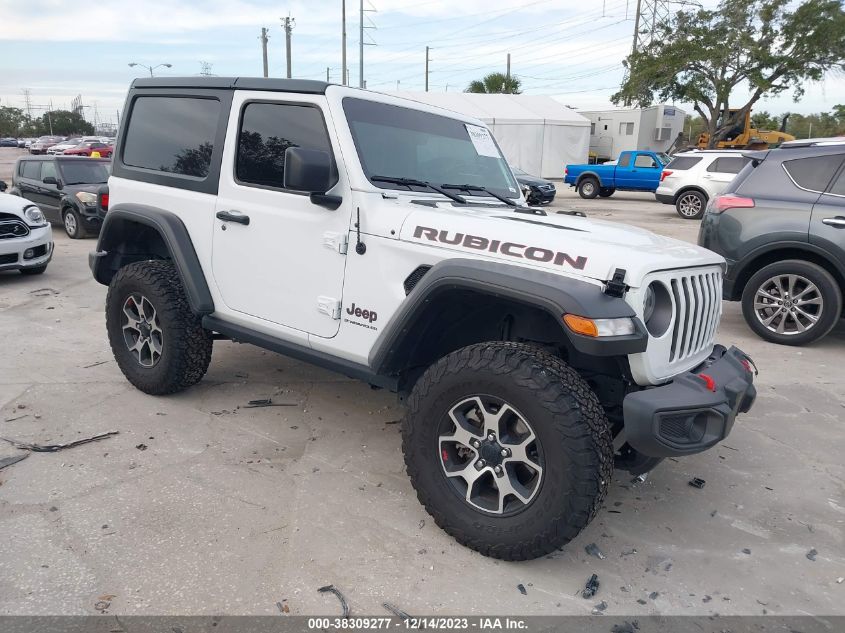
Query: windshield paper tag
{"type": "Point", "coordinates": [482, 141]}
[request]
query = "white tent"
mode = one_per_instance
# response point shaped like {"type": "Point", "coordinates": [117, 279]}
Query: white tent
{"type": "Point", "coordinates": [536, 133]}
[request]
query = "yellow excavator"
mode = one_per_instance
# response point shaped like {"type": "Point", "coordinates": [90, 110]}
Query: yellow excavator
{"type": "Point", "coordinates": [743, 136]}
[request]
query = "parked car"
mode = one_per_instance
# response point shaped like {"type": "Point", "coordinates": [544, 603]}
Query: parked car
{"type": "Point", "coordinates": [534, 353]}
{"type": "Point", "coordinates": [536, 190]}
{"type": "Point", "coordinates": [70, 143]}
{"type": "Point", "coordinates": [65, 188]}
{"type": "Point", "coordinates": [692, 178]}
{"type": "Point", "coordinates": [26, 239]}
{"type": "Point", "coordinates": [86, 148]}
{"type": "Point", "coordinates": [43, 143]}
{"type": "Point", "coordinates": [781, 227]}
{"type": "Point", "coordinates": [8, 142]}
{"type": "Point", "coordinates": [632, 171]}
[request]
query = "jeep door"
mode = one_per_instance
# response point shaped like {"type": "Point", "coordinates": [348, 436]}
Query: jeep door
{"type": "Point", "coordinates": [278, 256]}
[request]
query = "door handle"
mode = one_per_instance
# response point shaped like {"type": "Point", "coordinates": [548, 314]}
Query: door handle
{"type": "Point", "coordinates": [837, 222]}
{"type": "Point", "coordinates": [233, 216]}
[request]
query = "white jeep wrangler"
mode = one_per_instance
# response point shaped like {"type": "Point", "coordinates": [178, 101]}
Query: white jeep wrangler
{"type": "Point", "coordinates": [388, 240]}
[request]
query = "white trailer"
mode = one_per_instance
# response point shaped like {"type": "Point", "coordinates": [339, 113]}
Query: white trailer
{"type": "Point", "coordinates": [613, 131]}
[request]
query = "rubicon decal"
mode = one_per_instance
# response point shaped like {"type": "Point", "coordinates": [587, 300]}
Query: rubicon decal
{"type": "Point", "coordinates": [511, 249]}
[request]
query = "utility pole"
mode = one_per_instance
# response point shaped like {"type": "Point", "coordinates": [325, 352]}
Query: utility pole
{"type": "Point", "coordinates": [288, 26]}
{"type": "Point", "coordinates": [426, 68]}
{"type": "Point", "coordinates": [361, 49]}
{"type": "Point", "coordinates": [344, 72]}
{"type": "Point", "coordinates": [508, 75]}
{"type": "Point", "coordinates": [264, 49]}
{"type": "Point", "coordinates": [28, 101]}
{"type": "Point", "coordinates": [327, 75]}
{"type": "Point", "coordinates": [397, 85]}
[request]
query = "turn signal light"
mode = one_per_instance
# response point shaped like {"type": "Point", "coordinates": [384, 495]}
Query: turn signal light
{"type": "Point", "coordinates": [731, 201]}
{"type": "Point", "coordinates": [581, 325]}
{"type": "Point", "coordinates": [623, 326]}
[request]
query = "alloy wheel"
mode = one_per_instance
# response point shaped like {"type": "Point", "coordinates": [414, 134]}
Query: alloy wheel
{"type": "Point", "coordinates": [142, 330]}
{"type": "Point", "coordinates": [788, 304]}
{"type": "Point", "coordinates": [70, 224]}
{"type": "Point", "coordinates": [689, 205]}
{"type": "Point", "coordinates": [490, 455]}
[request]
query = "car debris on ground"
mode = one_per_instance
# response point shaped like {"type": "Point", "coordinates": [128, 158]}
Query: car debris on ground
{"type": "Point", "coordinates": [811, 555]}
{"type": "Point", "coordinates": [52, 448]}
{"type": "Point", "coordinates": [267, 402]}
{"type": "Point", "coordinates": [591, 587]}
{"type": "Point", "coordinates": [522, 589]}
{"type": "Point", "coordinates": [343, 604]}
{"type": "Point", "coordinates": [593, 550]}
{"type": "Point", "coordinates": [14, 459]}
{"type": "Point", "coordinates": [396, 611]}
{"type": "Point", "coordinates": [697, 482]}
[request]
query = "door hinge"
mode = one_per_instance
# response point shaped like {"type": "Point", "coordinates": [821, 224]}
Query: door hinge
{"type": "Point", "coordinates": [329, 306]}
{"type": "Point", "coordinates": [336, 241]}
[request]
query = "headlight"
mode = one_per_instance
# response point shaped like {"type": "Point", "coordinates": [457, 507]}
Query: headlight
{"type": "Point", "coordinates": [657, 309]}
{"type": "Point", "coordinates": [87, 198]}
{"type": "Point", "coordinates": [34, 216]}
{"type": "Point", "coordinates": [648, 303]}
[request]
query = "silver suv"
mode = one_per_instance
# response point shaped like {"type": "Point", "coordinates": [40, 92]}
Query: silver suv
{"type": "Point", "coordinates": [695, 177]}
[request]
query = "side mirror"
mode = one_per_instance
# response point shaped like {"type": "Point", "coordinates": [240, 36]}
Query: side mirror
{"type": "Point", "coordinates": [307, 170]}
{"type": "Point", "coordinates": [3, 186]}
{"type": "Point", "coordinates": [51, 180]}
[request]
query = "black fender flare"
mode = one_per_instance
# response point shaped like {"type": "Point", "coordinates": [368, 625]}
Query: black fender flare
{"type": "Point", "coordinates": [105, 261]}
{"type": "Point", "coordinates": [742, 267]}
{"type": "Point", "coordinates": [554, 294]}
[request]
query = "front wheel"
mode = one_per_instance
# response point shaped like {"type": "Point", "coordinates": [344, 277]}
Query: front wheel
{"type": "Point", "coordinates": [73, 224]}
{"type": "Point", "coordinates": [589, 188]}
{"type": "Point", "coordinates": [158, 343]}
{"type": "Point", "coordinates": [792, 302]}
{"type": "Point", "coordinates": [690, 205]}
{"type": "Point", "coordinates": [508, 449]}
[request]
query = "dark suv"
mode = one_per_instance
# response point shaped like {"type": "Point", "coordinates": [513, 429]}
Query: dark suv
{"type": "Point", "coordinates": [781, 227]}
{"type": "Point", "coordinates": [65, 188]}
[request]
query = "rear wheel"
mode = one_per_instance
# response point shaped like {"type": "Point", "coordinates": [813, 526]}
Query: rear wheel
{"type": "Point", "coordinates": [508, 449]}
{"type": "Point", "coordinates": [158, 343]}
{"type": "Point", "coordinates": [588, 188]}
{"type": "Point", "coordinates": [690, 205]}
{"type": "Point", "coordinates": [606, 192]}
{"type": "Point", "coordinates": [792, 302]}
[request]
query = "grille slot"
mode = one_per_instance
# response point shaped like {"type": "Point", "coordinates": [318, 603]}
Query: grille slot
{"type": "Point", "coordinates": [10, 229]}
{"type": "Point", "coordinates": [697, 309]}
{"type": "Point", "coordinates": [414, 278]}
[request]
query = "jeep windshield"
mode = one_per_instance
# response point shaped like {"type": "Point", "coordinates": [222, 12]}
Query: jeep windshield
{"type": "Point", "coordinates": [84, 172]}
{"type": "Point", "coordinates": [395, 143]}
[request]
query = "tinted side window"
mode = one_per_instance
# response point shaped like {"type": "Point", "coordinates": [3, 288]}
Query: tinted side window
{"type": "Point", "coordinates": [266, 131]}
{"type": "Point", "coordinates": [172, 134]}
{"type": "Point", "coordinates": [728, 164]}
{"type": "Point", "coordinates": [682, 163]}
{"type": "Point", "coordinates": [813, 173]}
{"type": "Point", "coordinates": [644, 160]}
{"type": "Point", "coordinates": [31, 169]}
{"type": "Point", "coordinates": [838, 187]}
{"type": "Point", "coordinates": [624, 160]}
{"type": "Point", "coordinates": [48, 169]}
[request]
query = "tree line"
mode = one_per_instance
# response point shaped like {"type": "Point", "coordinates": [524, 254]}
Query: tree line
{"type": "Point", "coordinates": [16, 123]}
{"type": "Point", "coordinates": [816, 125]}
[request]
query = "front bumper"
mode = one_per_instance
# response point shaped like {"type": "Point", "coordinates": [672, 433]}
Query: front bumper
{"type": "Point", "coordinates": [689, 415]}
{"type": "Point", "coordinates": [12, 250]}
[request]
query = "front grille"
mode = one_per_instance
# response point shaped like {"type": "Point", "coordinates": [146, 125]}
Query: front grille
{"type": "Point", "coordinates": [10, 229]}
{"type": "Point", "coordinates": [11, 258]}
{"type": "Point", "coordinates": [697, 298]}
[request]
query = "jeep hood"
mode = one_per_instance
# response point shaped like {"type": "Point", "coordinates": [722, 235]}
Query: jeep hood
{"type": "Point", "coordinates": [568, 244]}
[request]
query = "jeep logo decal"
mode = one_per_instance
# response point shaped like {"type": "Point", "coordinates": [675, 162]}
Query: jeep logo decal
{"type": "Point", "coordinates": [367, 315]}
{"type": "Point", "coordinates": [511, 249]}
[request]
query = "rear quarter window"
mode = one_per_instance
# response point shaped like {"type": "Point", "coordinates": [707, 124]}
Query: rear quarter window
{"type": "Point", "coordinates": [813, 173]}
{"type": "Point", "coordinates": [682, 163]}
{"type": "Point", "coordinates": [172, 134]}
{"type": "Point", "coordinates": [728, 164]}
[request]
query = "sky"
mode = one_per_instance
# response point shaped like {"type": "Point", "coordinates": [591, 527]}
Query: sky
{"type": "Point", "coordinates": [569, 49]}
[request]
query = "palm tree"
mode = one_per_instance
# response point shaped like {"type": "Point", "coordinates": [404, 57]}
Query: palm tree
{"type": "Point", "coordinates": [496, 83]}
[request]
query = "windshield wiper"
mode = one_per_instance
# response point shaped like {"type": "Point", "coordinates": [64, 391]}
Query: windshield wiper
{"type": "Point", "coordinates": [471, 188]}
{"type": "Point", "coordinates": [411, 182]}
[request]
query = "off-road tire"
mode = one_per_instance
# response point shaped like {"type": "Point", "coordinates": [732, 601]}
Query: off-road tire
{"type": "Point", "coordinates": [829, 291]}
{"type": "Point", "coordinates": [606, 192]}
{"type": "Point", "coordinates": [34, 270]}
{"type": "Point", "coordinates": [588, 188]}
{"type": "Point", "coordinates": [570, 426]}
{"type": "Point", "coordinates": [186, 351]}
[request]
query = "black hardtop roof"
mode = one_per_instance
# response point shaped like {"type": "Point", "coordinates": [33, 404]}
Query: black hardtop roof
{"type": "Point", "coordinates": [302, 86]}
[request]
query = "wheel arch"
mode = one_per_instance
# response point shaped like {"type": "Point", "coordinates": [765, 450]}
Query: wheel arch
{"type": "Point", "coordinates": [803, 251]}
{"type": "Point", "coordinates": [688, 188]}
{"type": "Point", "coordinates": [134, 232]}
{"type": "Point", "coordinates": [462, 302]}
{"type": "Point", "coordinates": [588, 174]}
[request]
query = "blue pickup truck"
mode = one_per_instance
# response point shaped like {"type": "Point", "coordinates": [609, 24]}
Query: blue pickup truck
{"type": "Point", "coordinates": [632, 171]}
